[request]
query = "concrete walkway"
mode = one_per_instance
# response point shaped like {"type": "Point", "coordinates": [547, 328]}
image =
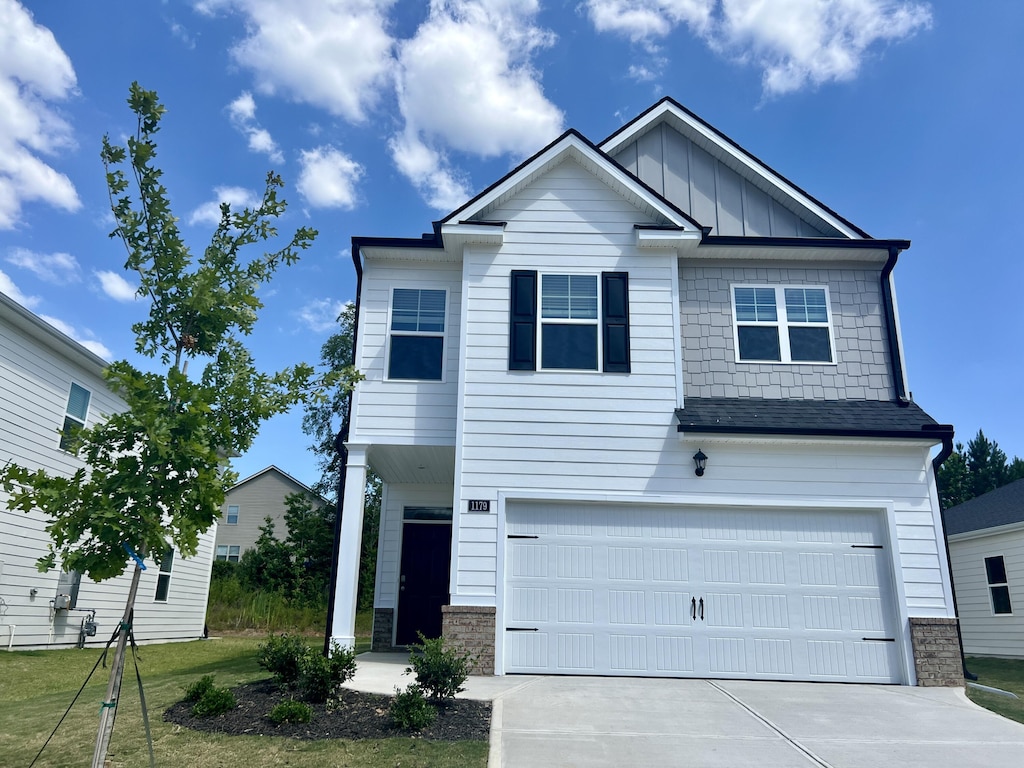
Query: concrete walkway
{"type": "Point", "coordinates": [591, 721]}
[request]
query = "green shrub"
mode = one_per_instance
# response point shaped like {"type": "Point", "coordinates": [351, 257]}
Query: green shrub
{"type": "Point", "coordinates": [216, 701]}
{"type": "Point", "coordinates": [291, 712]}
{"type": "Point", "coordinates": [194, 691]}
{"type": "Point", "coordinates": [282, 656]}
{"type": "Point", "coordinates": [410, 709]}
{"type": "Point", "coordinates": [440, 668]}
{"type": "Point", "coordinates": [320, 676]}
{"type": "Point", "coordinates": [224, 569]}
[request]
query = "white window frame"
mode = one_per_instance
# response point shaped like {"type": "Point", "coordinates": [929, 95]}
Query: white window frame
{"type": "Point", "coordinates": [782, 324]}
{"type": "Point", "coordinates": [433, 334]}
{"type": "Point", "coordinates": [227, 515]}
{"type": "Point", "coordinates": [68, 415]}
{"type": "Point", "coordinates": [990, 585]}
{"type": "Point", "coordinates": [542, 321]}
{"type": "Point", "coordinates": [228, 551]}
{"type": "Point", "coordinates": [164, 576]}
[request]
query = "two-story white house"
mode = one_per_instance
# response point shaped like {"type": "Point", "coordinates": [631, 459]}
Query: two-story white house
{"type": "Point", "coordinates": [50, 383]}
{"type": "Point", "coordinates": [640, 408]}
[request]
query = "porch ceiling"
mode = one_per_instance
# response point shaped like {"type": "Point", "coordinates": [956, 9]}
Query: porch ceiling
{"type": "Point", "coordinates": [429, 464]}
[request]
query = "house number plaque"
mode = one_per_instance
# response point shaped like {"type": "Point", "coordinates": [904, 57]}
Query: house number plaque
{"type": "Point", "coordinates": [479, 505]}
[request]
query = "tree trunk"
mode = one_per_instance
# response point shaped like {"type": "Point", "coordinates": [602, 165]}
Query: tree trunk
{"type": "Point", "coordinates": [109, 708]}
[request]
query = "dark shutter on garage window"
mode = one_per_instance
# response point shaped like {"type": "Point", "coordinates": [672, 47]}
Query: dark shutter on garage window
{"type": "Point", "coordinates": [522, 339]}
{"type": "Point", "coordinates": [615, 321]}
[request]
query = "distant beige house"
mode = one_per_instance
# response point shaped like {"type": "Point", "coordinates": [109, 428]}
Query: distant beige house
{"type": "Point", "coordinates": [248, 504]}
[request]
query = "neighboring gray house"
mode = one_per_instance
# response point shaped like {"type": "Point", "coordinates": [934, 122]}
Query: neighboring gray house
{"type": "Point", "coordinates": [986, 550]}
{"type": "Point", "coordinates": [248, 504]}
{"type": "Point", "coordinates": [48, 382]}
{"type": "Point", "coordinates": [640, 408]}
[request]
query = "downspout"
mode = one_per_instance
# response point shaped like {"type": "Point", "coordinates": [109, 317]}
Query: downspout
{"type": "Point", "coordinates": [342, 451]}
{"type": "Point", "coordinates": [937, 462]}
{"type": "Point", "coordinates": [889, 307]}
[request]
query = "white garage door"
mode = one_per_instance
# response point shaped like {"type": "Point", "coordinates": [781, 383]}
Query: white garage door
{"type": "Point", "coordinates": [599, 590]}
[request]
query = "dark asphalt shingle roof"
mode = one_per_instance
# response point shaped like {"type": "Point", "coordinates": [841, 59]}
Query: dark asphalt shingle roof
{"type": "Point", "coordinates": [1002, 506]}
{"type": "Point", "coordinates": [848, 418]}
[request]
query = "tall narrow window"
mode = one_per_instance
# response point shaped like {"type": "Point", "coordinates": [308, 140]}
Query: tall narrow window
{"type": "Point", "coordinates": [417, 334]}
{"type": "Point", "coordinates": [232, 516]}
{"type": "Point", "coordinates": [163, 580]}
{"type": "Point", "coordinates": [75, 415]}
{"type": "Point", "coordinates": [999, 589]}
{"type": "Point", "coordinates": [782, 324]}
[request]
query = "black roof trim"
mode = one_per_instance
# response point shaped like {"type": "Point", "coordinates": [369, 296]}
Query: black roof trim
{"type": "Point", "coordinates": [670, 100]}
{"type": "Point", "coordinates": [805, 242]}
{"type": "Point", "coordinates": [814, 418]}
{"type": "Point", "coordinates": [426, 241]}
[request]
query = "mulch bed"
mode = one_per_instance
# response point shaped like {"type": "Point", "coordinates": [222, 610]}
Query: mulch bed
{"type": "Point", "coordinates": [355, 715]}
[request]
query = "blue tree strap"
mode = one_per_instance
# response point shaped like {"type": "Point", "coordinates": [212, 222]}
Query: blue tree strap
{"type": "Point", "coordinates": [135, 557]}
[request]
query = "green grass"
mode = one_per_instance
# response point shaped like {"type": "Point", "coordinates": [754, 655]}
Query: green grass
{"type": "Point", "coordinates": [1006, 674]}
{"type": "Point", "coordinates": [37, 686]}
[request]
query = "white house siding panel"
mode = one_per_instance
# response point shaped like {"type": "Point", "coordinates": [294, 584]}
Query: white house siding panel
{"type": "Point", "coordinates": [409, 411]}
{"type": "Point", "coordinates": [394, 500]}
{"type": "Point", "coordinates": [986, 633]}
{"type": "Point", "coordinates": [714, 194]}
{"type": "Point", "coordinates": [861, 370]}
{"type": "Point", "coordinates": [35, 380]}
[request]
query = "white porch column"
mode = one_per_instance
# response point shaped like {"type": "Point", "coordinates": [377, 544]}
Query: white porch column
{"type": "Point", "coordinates": [343, 630]}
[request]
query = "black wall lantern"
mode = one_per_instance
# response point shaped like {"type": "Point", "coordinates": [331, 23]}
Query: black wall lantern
{"type": "Point", "coordinates": [701, 461]}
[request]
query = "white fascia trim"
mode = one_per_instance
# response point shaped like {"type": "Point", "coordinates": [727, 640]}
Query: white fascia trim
{"type": "Point", "coordinates": [984, 532]}
{"type": "Point", "coordinates": [739, 156]}
{"type": "Point", "coordinates": [666, 238]}
{"type": "Point", "coordinates": [465, 233]}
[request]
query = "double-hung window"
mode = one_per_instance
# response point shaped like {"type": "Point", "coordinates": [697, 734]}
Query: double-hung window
{"type": "Point", "coordinates": [163, 579]}
{"type": "Point", "coordinates": [74, 416]}
{"type": "Point", "coordinates": [229, 552]}
{"type": "Point", "coordinates": [232, 515]}
{"type": "Point", "coordinates": [416, 342]}
{"type": "Point", "coordinates": [784, 324]}
{"type": "Point", "coordinates": [999, 589]}
{"type": "Point", "coordinates": [582, 322]}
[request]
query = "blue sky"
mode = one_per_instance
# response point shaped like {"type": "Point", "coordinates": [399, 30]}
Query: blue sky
{"type": "Point", "coordinates": [382, 115]}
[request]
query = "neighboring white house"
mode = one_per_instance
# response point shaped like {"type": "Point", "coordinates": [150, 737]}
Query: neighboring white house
{"type": "Point", "coordinates": [640, 409]}
{"type": "Point", "coordinates": [986, 550]}
{"type": "Point", "coordinates": [248, 504]}
{"type": "Point", "coordinates": [47, 382]}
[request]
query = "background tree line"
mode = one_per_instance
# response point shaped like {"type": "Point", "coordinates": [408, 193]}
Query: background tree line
{"type": "Point", "coordinates": [977, 469]}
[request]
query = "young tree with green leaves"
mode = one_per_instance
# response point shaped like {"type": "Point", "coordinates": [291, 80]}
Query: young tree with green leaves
{"type": "Point", "coordinates": [156, 472]}
{"type": "Point", "coordinates": [975, 470]}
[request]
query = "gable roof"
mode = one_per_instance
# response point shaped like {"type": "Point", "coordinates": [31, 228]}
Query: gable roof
{"type": "Point", "coordinates": [282, 473]}
{"type": "Point", "coordinates": [1003, 506]}
{"type": "Point", "coordinates": [725, 150]}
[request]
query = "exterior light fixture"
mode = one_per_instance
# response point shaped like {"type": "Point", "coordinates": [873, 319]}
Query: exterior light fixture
{"type": "Point", "coordinates": [701, 461]}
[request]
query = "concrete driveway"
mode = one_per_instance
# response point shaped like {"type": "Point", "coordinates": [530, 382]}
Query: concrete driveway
{"type": "Point", "coordinates": [539, 722]}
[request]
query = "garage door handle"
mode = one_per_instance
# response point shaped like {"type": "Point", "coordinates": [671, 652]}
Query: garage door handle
{"type": "Point", "coordinates": [693, 608]}
{"type": "Point", "coordinates": [702, 609]}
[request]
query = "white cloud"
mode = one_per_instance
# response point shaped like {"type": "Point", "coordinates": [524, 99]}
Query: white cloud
{"type": "Point", "coordinates": [328, 178]}
{"type": "Point", "coordinates": [115, 286]}
{"type": "Point", "coordinates": [796, 43]}
{"type": "Point", "coordinates": [57, 268]}
{"type": "Point", "coordinates": [321, 315]}
{"type": "Point", "coordinates": [237, 197]}
{"type": "Point", "coordinates": [34, 71]}
{"type": "Point", "coordinates": [87, 340]}
{"type": "Point", "coordinates": [334, 54]}
{"type": "Point", "coordinates": [243, 116]}
{"type": "Point", "coordinates": [465, 82]}
{"type": "Point", "coordinates": [9, 289]}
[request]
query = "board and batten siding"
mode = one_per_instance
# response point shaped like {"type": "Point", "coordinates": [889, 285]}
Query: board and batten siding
{"type": "Point", "coordinates": [711, 192]}
{"type": "Point", "coordinates": [36, 373]}
{"type": "Point", "coordinates": [986, 633]}
{"type": "Point", "coordinates": [404, 412]}
{"type": "Point", "coordinates": [861, 369]}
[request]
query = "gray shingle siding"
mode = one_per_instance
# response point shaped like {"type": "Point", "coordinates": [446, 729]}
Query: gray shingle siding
{"type": "Point", "coordinates": [710, 369]}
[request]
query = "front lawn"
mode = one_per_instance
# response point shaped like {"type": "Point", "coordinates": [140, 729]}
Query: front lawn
{"type": "Point", "coordinates": [37, 686]}
{"type": "Point", "coordinates": [1005, 674]}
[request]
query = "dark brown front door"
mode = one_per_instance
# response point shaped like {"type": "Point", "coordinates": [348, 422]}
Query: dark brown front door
{"type": "Point", "coordinates": [423, 581]}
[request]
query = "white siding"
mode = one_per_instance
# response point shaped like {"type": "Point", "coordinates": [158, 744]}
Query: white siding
{"type": "Point", "coordinates": [984, 632]}
{"type": "Point", "coordinates": [404, 411]}
{"type": "Point", "coordinates": [35, 379]}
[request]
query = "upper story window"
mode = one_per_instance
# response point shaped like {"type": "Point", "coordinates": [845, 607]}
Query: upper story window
{"type": "Point", "coordinates": [75, 415]}
{"type": "Point", "coordinates": [785, 324]}
{"type": "Point", "coordinates": [416, 343]}
{"type": "Point", "coordinates": [232, 515]}
{"type": "Point", "coordinates": [995, 572]}
{"type": "Point", "coordinates": [583, 323]}
{"type": "Point", "coordinates": [163, 580]}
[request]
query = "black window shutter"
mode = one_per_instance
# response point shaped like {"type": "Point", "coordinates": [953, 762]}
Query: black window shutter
{"type": "Point", "coordinates": [522, 339]}
{"type": "Point", "coordinates": [615, 321]}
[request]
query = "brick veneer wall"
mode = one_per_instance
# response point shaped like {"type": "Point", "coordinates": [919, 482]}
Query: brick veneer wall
{"type": "Point", "coordinates": [383, 625]}
{"type": "Point", "coordinates": [936, 646]}
{"type": "Point", "coordinates": [471, 627]}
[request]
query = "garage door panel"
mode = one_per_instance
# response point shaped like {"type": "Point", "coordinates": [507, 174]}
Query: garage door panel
{"type": "Point", "coordinates": [673, 654]}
